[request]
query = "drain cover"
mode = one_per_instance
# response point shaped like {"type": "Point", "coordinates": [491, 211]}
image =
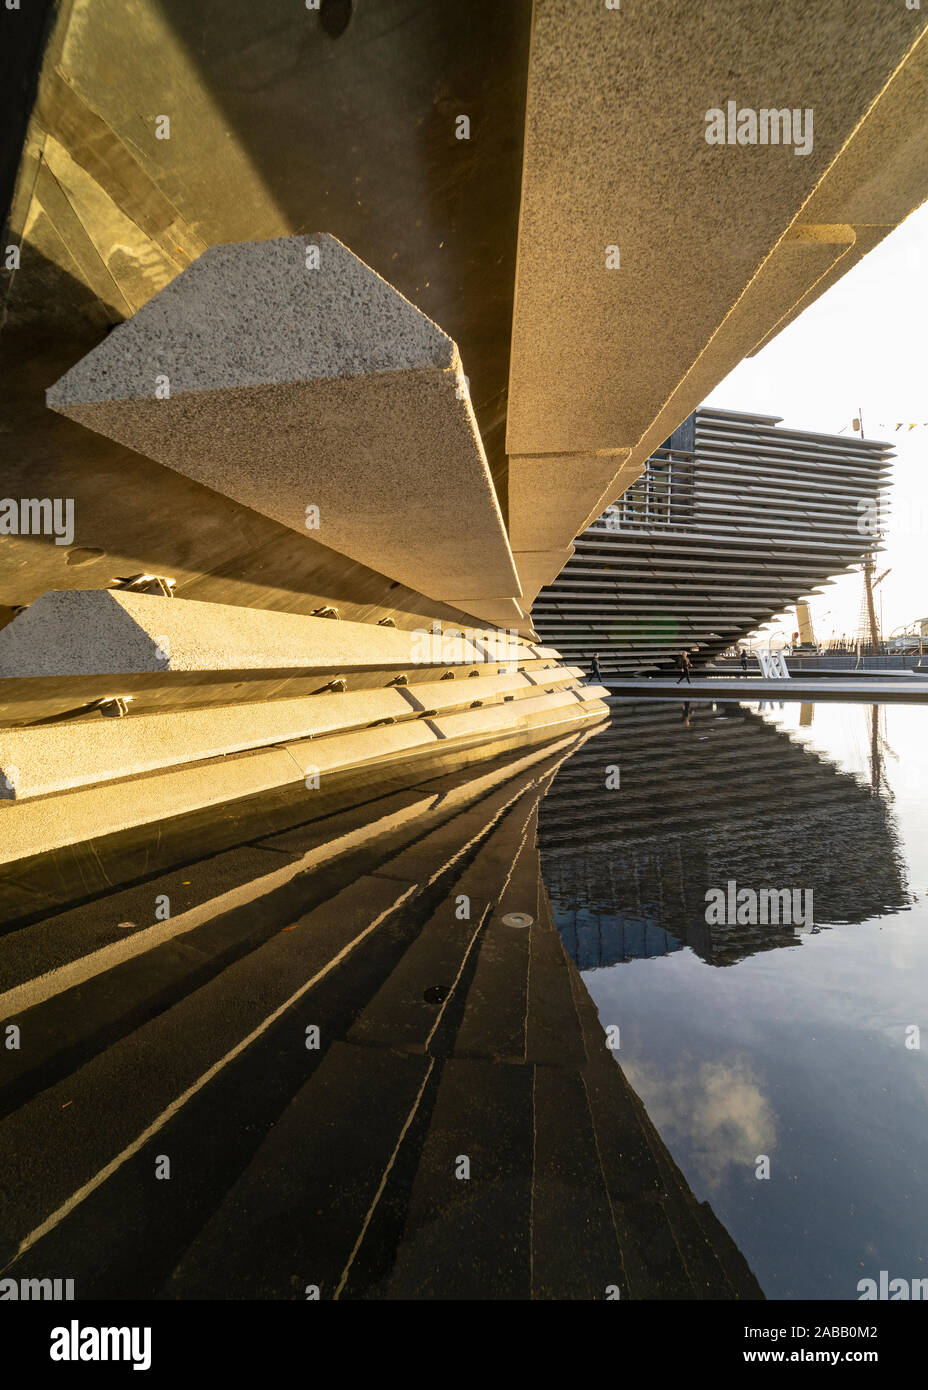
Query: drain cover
{"type": "Point", "coordinates": [517, 919]}
{"type": "Point", "coordinates": [436, 994]}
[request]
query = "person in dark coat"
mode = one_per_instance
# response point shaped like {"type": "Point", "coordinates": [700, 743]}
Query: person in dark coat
{"type": "Point", "coordinates": [685, 664]}
{"type": "Point", "coordinates": [744, 660]}
{"type": "Point", "coordinates": [596, 672]}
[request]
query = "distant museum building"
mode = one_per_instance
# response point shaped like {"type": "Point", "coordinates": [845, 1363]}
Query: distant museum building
{"type": "Point", "coordinates": [732, 521]}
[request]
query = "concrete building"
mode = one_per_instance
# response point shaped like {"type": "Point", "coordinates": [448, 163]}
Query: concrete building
{"type": "Point", "coordinates": [327, 328]}
{"type": "Point", "coordinates": [407, 415]}
{"type": "Point", "coordinates": [732, 521]}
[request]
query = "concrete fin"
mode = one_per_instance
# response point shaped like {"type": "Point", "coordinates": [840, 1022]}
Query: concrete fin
{"type": "Point", "coordinates": [289, 376]}
{"type": "Point", "coordinates": [112, 632]}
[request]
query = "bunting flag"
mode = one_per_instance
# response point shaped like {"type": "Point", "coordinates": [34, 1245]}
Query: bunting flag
{"type": "Point", "coordinates": [896, 425]}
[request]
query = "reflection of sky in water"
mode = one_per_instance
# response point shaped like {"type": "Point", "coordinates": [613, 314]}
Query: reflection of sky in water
{"type": "Point", "coordinates": [800, 1053]}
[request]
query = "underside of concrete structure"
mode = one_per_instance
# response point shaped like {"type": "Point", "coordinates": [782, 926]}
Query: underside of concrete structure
{"type": "Point", "coordinates": [464, 152]}
{"type": "Point", "coordinates": [327, 329]}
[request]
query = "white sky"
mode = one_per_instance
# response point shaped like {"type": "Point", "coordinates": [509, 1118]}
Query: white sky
{"type": "Point", "coordinates": [863, 344]}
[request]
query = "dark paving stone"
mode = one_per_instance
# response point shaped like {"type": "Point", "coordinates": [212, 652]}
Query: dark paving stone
{"type": "Point", "coordinates": [47, 1153]}
{"type": "Point", "coordinates": [575, 1249]}
{"type": "Point", "coordinates": [296, 1213]}
{"type": "Point", "coordinates": [469, 1238]}
{"type": "Point", "coordinates": [403, 1014]}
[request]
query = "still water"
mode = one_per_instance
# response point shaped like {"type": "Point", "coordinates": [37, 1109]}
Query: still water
{"type": "Point", "coordinates": [791, 1041]}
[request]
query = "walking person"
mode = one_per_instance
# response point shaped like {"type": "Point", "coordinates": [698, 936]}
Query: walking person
{"type": "Point", "coordinates": [744, 661]}
{"type": "Point", "coordinates": [596, 673]}
{"type": "Point", "coordinates": [685, 664]}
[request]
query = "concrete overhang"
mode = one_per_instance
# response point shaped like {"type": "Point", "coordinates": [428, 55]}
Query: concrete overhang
{"type": "Point", "coordinates": [288, 375]}
{"type": "Point", "coordinates": [275, 125]}
{"type": "Point", "coordinates": [652, 261]}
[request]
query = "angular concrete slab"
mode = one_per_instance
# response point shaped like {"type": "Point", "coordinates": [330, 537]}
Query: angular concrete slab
{"type": "Point", "coordinates": [289, 376]}
{"type": "Point", "coordinates": [32, 827]}
{"type": "Point", "coordinates": [637, 234]}
{"type": "Point", "coordinates": [39, 760]}
{"type": "Point", "coordinates": [538, 568]}
{"type": "Point", "coordinates": [501, 612]}
{"type": "Point", "coordinates": [806, 256]}
{"type": "Point", "coordinates": [881, 176]}
{"type": "Point", "coordinates": [549, 495]}
{"type": "Point", "coordinates": [636, 293]}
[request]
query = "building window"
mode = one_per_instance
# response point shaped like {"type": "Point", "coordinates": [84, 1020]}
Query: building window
{"type": "Point", "coordinates": [662, 496]}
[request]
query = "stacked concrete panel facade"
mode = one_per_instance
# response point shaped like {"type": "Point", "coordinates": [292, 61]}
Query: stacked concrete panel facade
{"type": "Point", "coordinates": [733, 520]}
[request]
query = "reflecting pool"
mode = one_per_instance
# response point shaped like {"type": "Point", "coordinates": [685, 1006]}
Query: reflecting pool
{"type": "Point", "coordinates": [764, 1039]}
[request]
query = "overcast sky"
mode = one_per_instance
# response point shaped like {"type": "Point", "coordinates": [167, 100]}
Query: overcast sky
{"type": "Point", "coordinates": [863, 344]}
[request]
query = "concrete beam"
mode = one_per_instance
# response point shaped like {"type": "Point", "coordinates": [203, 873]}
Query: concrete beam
{"type": "Point", "coordinates": [289, 376]}
{"type": "Point", "coordinates": [549, 496]}
{"type": "Point", "coordinates": [112, 632]}
{"type": "Point", "coordinates": [881, 177]}
{"type": "Point", "coordinates": [538, 568]}
{"type": "Point", "coordinates": [598, 347]}
{"type": "Point", "coordinates": [33, 827]}
{"type": "Point", "coordinates": [36, 761]}
{"type": "Point", "coordinates": [501, 612]}
{"type": "Point", "coordinates": [656, 260]}
{"type": "Point", "coordinates": [805, 256]}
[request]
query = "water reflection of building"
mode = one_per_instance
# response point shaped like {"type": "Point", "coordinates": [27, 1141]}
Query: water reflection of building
{"type": "Point", "coordinates": [714, 795]}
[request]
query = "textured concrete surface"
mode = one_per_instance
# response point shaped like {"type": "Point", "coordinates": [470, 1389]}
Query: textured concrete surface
{"type": "Point", "coordinates": [596, 351]}
{"type": "Point", "coordinates": [561, 705]}
{"type": "Point", "coordinates": [549, 496]}
{"type": "Point", "coordinates": [881, 176]}
{"type": "Point", "coordinates": [805, 257]}
{"type": "Point", "coordinates": [105, 749]}
{"type": "Point", "coordinates": [55, 757]}
{"type": "Point", "coordinates": [39, 826]}
{"type": "Point", "coordinates": [718, 247]}
{"type": "Point", "coordinates": [255, 314]}
{"type": "Point", "coordinates": [340, 394]}
{"type": "Point", "coordinates": [109, 214]}
{"type": "Point", "coordinates": [294, 387]}
{"type": "Point", "coordinates": [538, 568]}
{"type": "Point", "coordinates": [106, 213]}
{"type": "Point", "coordinates": [110, 632]}
{"type": "Point", "coordinates": [501, 612]}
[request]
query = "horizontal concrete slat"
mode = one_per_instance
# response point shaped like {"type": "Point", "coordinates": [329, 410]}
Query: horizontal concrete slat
{"type": "Point", "coordinates": [35, 827]}
{"type": "Point", "coordinates": [115, 632]}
